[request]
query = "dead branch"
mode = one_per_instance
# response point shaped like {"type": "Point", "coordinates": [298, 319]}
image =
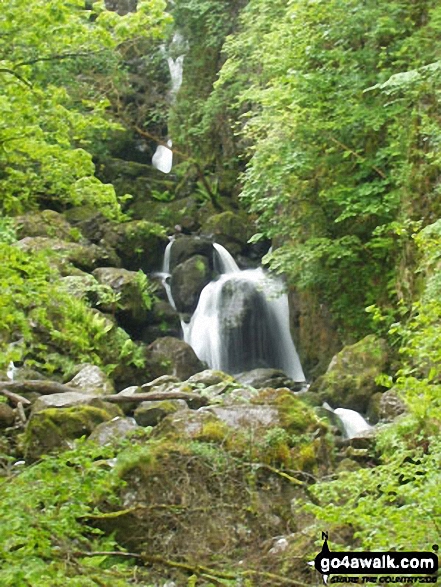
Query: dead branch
{"type": "Point", "coordinates": [14, 398]}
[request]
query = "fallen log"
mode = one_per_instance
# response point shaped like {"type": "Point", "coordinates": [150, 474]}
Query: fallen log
{"type": "Point", "coordinates": [41, 386]}
{"type": "Point", "coordinates": [155, 396]}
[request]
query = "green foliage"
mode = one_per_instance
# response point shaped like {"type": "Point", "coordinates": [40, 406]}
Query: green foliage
{"type": "Point", "coordinates": [57, 81]}
{"type": "Point", "coordinates": [395, 505]}
{"type": "Point", "coordinates": [44, 537]}
{"type": "Point", "coordinates": [334, 107]}
{"type": "Point", "coordinates": [42, 324]}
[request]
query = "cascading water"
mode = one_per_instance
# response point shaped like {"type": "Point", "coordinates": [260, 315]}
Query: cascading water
{"type": "Point", "coordinates": [241, 321]}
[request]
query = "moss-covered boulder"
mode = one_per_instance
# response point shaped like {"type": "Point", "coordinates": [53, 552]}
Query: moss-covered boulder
{"type": "Point", "coordinates": [55, 428]}
{"type": "Point", "coordinates": [171, 356]}
{"type": "Point", "coordinates": [188, 279]}
{"type": "Point", "coordinates": [350, 379]}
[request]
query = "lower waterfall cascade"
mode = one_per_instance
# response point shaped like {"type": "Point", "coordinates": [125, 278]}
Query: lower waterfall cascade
{"type": "Point", "coordinates": [241, 321]}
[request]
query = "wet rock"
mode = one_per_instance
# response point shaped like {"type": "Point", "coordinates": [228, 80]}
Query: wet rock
{"type": "Point", "coordinates": [55, 428]}
{"type": "Point", "coordinates": [151, 413]}
{"type": "Point", "coordinates": [350, 379]}
{"type": "Point", "coordinates": [185, 247]}
{"type": "Point", "coordinates": [7, 416]}
{"type": "Point", "coordinates": [110, 432]}
{"type": "Point", "coordinates": [171, 356]}
{"type": "Point", "coordinates": [92, 380]}
{"type": "Point", "coordinates": [188, 279]}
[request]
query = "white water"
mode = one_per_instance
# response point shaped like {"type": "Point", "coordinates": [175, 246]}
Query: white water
{"type": "Point", "coordinates": [163, 158]}
{"type": "Point", "coordinates": [242, 322]}
{"type": "Point", "coordinates": [353, 423]}
{"type": "Point", "coordinates": [165, 274]}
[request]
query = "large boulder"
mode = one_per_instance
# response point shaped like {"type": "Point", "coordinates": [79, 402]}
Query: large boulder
{"type": "Point", "coordinates": [188, 279]}
{"type": "Point", "coordinates": [171, 356]}
{"type": "Point", "coordinates": [350, 379]}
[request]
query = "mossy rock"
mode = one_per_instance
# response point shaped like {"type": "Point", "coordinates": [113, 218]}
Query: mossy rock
{"type": "Point", "coordinates": [140, 244]}
{"type": "Point", "coordinates": [47, 223]}
{"type": "Point", "coordinates": [132, 304]}
{"type": "Point", "coordinates": [230, 229]}
{"type": "Point", "coordinates": [188, 279]}
{"type": "Point", "coordinates": [83, 256]}
{"type": "Point", "coordinates": [55, 428]}
{"type": "Point", "coordinates": [185, 247]}
{"type": "Point", "coordinates": [350, 379]}
{"type": "Point", "coordinates": [151, 413]}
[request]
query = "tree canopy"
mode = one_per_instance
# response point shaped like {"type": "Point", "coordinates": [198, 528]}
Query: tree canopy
{"type": "Point", "coordinates": [60, 65]}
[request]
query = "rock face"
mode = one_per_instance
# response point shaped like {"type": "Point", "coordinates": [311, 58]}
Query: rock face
{"type": "Point", "coordinates": [350, 379]}
{"type": "Point", "coordinates": [172, 356]}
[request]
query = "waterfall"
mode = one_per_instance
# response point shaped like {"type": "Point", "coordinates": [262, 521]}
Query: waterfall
{"type": "Point", "coordinates": [353, 423]}
{"type": "Point", "coordinates": [242, 321]}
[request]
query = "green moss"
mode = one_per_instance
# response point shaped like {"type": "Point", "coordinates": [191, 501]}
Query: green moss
{"type": "Point", "coordinates": [54, 428]}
